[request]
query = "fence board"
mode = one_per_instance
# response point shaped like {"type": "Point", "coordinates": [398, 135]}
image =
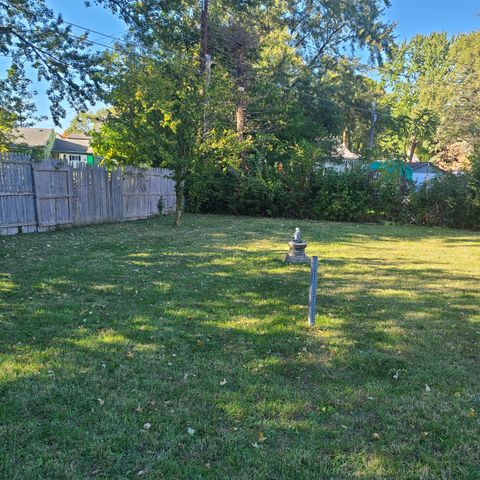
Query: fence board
{"type": "Point", "coordinates": [38, 196]}
{"type": "Point", "coordinates": [52, 193]}
{"type": "Point", "coordinates": [17, 202]}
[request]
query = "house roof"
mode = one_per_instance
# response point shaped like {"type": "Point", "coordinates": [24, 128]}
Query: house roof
{"type": "Point", "coordinates": [415, 166]}
{"type": "Point", "coordinates": [76, 136]}
{"type": "Point", "coordinates": [33, 137]}
{"type": "Point", "coordinates": [418, 165]}
{"type": "Point", "coordinates": [77, 144]}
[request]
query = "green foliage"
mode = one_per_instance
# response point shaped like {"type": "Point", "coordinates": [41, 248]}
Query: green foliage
{"type": "Point", "coordinates": [36, 37]}
{"type": "Point", "coordinates": [156, 120]}
{"type": "Point", "coordinates": [451, 201]}
{"type": "Point", "coordinates": [16, 106]}
{"type": "Point", "coordinates": [414, 79]}
{"type": "Point", "coordinates": [461, 111]}
{"type": "Point", "coordinates": [7, 122]}
{"type": "Point", "coordinates": [433, 98]}
{"type": "Point", "coordinates": [312, 192]}
{"type": "Point", "coordinates": [86, 122]}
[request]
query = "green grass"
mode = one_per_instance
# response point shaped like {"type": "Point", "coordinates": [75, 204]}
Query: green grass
{"type": "Point", "coordinates": [106, 329]}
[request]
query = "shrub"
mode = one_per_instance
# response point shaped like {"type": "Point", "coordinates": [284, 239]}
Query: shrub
{"type": "Point", "coordinates": [446, 201]}
{"type": "Point", "coordinates": [303, 189]}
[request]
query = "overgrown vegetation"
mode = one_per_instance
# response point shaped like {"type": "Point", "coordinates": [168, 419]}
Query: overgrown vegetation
{"type": "Point", "coordinates": [146, 351]}
{"type": "Point", "coordinates": [313, 192]}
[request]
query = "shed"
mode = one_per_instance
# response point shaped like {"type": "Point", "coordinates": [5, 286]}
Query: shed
{"type": "Point", "coordinates": [424, 171]}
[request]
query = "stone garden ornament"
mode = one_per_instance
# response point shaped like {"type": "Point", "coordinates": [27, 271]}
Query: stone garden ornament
{"type": "Point", "coordinates": [297, 246]}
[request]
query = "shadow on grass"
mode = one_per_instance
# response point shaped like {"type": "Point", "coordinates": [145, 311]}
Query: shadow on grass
{"type": "Point", "coordinates": [134, 324]}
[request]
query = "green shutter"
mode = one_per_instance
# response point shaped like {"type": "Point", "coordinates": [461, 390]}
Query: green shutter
{"type": "Point", "coordinates": [90, 159]}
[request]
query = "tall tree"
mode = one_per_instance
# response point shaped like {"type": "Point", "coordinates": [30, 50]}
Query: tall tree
{"type": "Point", "coordinates": [266, 86]}
{"type": "Point", "coordinates": [16, 106]}
{"type": "Point", "coordinates": [461, 112]}
{"type": "Point", "coordinates": [87, 122]}
{"type": "Point", "coordinates": [156, 118]}
{"type": "Point", "coordinates": [33, 35]}
{"type": "Point", "coordinates": [415, 79]}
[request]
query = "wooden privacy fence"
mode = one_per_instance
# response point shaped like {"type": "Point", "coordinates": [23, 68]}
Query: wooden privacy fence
{"type": "Point", "coordinates": [39, 196]}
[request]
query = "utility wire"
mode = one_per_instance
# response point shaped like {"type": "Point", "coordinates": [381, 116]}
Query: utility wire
{"type": "Point", "coordinates": [253, 76]}
{"type": "Point", "coordinates": [224, 53]}
{"type": "Point", "coordinates": [94, 31]}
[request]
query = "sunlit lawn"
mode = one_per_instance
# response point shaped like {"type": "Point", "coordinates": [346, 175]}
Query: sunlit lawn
{"type": "Point", "coordinates": [147, 351]}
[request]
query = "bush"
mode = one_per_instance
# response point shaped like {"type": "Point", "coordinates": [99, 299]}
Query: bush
{"type": "Point", "coordinates": [302, 189]}
{"type": "Point", "coordinates": [446, 201]}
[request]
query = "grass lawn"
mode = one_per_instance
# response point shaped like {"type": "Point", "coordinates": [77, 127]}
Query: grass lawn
{"type": "Point", "coordinates": [147, 351]}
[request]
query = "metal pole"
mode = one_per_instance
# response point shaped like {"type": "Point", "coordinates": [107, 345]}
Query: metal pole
{"type": "Point", "coordinates": [312, 298]}
{"type": "Point", "coordinates": [203, 36]}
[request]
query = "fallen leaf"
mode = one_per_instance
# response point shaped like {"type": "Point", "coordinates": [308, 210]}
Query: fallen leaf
{"type": "Point", "coordinates": [255, 445]}
{"type": "Point", "coordinates": [261, 437]}
{"type": "Point", "coordinates": [427, 388]}
{"type": "Point", "coordinates": [223, 382]}
{"type": "Point", "coordinates": [147, 426]}
{"type": "Point", "coordinates": [376, 436]}
{"type": "Point", "coordinates": [191, 431]}
{"type": "Point", "coordinates": [100, 401]}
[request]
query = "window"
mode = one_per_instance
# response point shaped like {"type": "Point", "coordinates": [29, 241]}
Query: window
{"type": "Point", "coordinates": [77, 160]}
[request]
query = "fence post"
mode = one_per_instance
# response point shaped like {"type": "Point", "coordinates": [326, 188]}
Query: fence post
{"type": "Point", "coordinates": [34, 191]}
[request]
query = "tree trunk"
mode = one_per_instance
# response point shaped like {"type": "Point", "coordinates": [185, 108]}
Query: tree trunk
{"type": "Point", "coordinates": [346, 137]}
{"type": "Point", "coordinates": [240, 115]}
{"type": "Point", "coordinates": [180, 193]}
{"type": "Point", "coordinates": [411, 150]}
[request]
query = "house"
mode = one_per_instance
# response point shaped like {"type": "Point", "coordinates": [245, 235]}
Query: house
{"type": "Point", "coordinates": [423, 172]}
{"type": "Point", "coordinates": [343, 159]}
{"type": "Point", "coordinates": [74, 149]}
{"type": "Point", "coordinates": [38, 142]}
{"type": "Point", "coordinates": [43, 143]}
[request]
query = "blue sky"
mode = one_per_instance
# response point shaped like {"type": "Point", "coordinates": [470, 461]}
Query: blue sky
{"type": "Point", "coordinates": [426, 16]}
{"type": "Point", "coordinates": [412, 17]}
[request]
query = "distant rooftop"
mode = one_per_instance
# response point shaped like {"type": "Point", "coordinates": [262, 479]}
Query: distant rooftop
{"type": "Point", "coordinates": [76, 136]}
{"type": "Point", "coordinates": [32, 137]}
{"type": "Point", "coordinates": [74, 143]}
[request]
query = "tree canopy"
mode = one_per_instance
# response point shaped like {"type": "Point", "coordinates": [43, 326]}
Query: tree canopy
{"type": "Point", "coordinates": [33, 35]}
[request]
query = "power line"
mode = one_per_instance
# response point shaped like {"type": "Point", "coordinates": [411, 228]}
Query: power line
{"type": "Point", "coordinates": [252, 75]}
{"type": "Point", "coordinates": [224, 53]}
{"type": "Point", "coordinates": [93, 31]}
